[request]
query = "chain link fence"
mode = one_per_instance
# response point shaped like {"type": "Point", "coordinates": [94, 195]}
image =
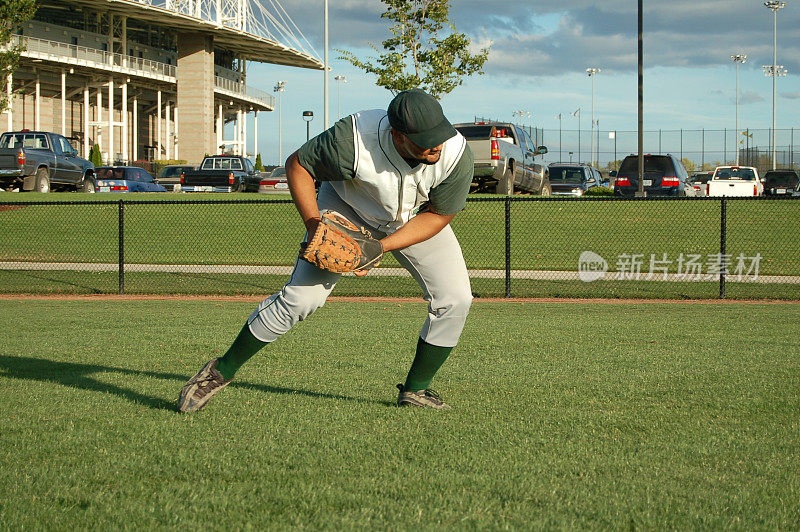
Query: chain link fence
{"type": "Point", "coordinates": [742, 248]}
{"type": "Point", "coordinates": [700, 149]}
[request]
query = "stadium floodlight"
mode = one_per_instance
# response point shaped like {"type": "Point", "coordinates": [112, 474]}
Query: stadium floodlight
{"type": "Point", "coordinates": [774, 5]}
{"type": "Point", "coordinates": [738, 58]}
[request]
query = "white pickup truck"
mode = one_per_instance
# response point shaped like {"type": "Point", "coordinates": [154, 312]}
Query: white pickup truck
{"type": "Point", "coordinates": [734, 181]}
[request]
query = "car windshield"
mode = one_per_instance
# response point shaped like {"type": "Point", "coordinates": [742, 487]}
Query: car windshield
{"type": "Point", "coordinates": [484, 131]}
{"type": "Point", "coordinates": [745, 174]}
{"type": "Point", "coordinates": [23, 140]}
{"type": "Point", "coordinates": [171, 171]}
{"type": "Point", "coordinates": [653, 164]}
{"type": "Point", "coordinates": [566, 175]}
{"type": "Point", "coordinates": [782, 179]}
{"type": "Point", "coordinates": [278, 172]}
{"type": "Point", "coordinates": [106, 172]}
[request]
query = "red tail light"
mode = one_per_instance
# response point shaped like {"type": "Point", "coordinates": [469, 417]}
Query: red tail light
{"type": "Point", "coordinates": [755, 190]}
{"type": "Point", "coordinates": [623, 182]}
{"type": "Point", "coordinates": [670, 181]}
{"type": "Point", "coordinates": [495, 149]}
{"type": "Point", "coordinates": [708, 189]}
{"type": "Point", "coordinates": [181, 178]}
{"type": "Point", "coordinates": [21, 158]}
{"type": "Point", "coordinates": [270, 183]}
{"type": "Point", "coordinates": [119, 188]}
{"type": "Point", "coordinates": [230, 178]}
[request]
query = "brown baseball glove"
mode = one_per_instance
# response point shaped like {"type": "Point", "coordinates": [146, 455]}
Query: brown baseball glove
{"type": "Point", "coordinates": [338, 245]}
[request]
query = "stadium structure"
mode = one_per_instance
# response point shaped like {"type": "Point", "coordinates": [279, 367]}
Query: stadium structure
{"type": "Point", "coordinates": [150, 79]}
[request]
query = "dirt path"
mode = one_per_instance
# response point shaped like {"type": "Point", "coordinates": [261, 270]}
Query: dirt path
{"type": "Point", "coordinates": [172, 297]}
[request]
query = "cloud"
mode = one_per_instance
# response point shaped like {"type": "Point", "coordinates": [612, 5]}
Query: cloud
{"type": "Point", "coordinates": [550, 38]}
{"type": "Point", "coordinates": [748, 97]}
{"type": "Point", "coordinates": [790, 95]}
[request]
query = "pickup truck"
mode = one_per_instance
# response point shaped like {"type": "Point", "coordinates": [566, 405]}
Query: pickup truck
{"type": "Point", "coordinates": [222, 173]}
{"type": "Point", "coordinates": [504, 159]}
{"type": "Point", "coordinates": [734, 181]}
{"type": "Point", "coordinates": [42, 161]}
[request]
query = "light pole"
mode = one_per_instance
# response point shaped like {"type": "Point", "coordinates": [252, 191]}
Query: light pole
{"type": "Point", "coordinates": [592, 73]}
{"type": "Point", "coordinates": [279, 88]}
{"type": "Point", "coordinates": [737, 58]}
{"type": "Point", "coordinates": [775, 70]}
{"type": "Point", "coordinates": [339, 80]}
{"type": "Point", "coordinates": [578, 114]}
{"type": "Point", "coordinates": [308, 116]}
{"type": "Point", "coordinates": [559, 135]}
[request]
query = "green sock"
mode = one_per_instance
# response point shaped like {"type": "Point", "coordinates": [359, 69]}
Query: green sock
{"type": "Point", "coordinates": [428, 360]}
{"type": "Point", "coordinates": [245, 346]}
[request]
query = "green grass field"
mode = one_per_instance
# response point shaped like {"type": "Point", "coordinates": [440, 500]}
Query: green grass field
{"type": "Point", "coordinates": [576, 416]}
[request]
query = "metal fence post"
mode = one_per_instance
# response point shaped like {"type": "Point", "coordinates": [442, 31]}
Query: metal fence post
{"type": "Point", "coordinates": [121, 247]}
{"type": "Point", "coordinates": [508, 245]}
{"type": "Point", "coordinates": [723, 262]}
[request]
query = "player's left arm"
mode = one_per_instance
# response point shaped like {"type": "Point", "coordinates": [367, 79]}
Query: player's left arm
{"type": "Point", "coordinates": [446, 200]}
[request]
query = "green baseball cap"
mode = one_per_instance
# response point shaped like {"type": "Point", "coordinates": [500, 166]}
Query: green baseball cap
{"type": "Point", "coordinates": [419, 116]}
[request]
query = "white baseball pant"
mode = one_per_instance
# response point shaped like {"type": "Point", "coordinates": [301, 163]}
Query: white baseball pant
{"type": "Point", "coordinates": [437, 264]}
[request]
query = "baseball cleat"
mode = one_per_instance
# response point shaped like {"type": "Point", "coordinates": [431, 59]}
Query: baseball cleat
{"type": "Point", "coordinates": [201, 388]}
{"type": "Point", "coordinates": [422, 398]}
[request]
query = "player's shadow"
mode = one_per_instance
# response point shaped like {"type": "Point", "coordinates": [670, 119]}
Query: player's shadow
{"type": "Point", "coordinates": [81, 376]}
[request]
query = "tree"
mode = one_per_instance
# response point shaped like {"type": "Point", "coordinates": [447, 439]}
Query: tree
{"type": "Point", "coordinates": [13, 13]}
{"type": "Point", "coordinates": [259, 167]}
{"type": "Point", "coordinates": [690, 165]}
{"type": "Point", "coordinates": [95, 156]}
{"type": "Point", "coordinates": [421, 52]}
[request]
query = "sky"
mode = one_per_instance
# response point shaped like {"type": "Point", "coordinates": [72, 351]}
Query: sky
{"type": "Point", "coordinates": [537, 66]}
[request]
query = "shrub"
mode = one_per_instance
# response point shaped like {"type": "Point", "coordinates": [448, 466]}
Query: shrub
{"type": "Point", "coordinates": [142, 163]}
{"type": "Point", "coordinates": [95, 157]}
{"type": "Point", "coordinates": [158, 164]}
{"type": "Point", "coordinates": [599, 191]}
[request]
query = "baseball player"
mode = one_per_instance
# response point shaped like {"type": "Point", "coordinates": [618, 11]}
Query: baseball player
{"type": "Point", "coordinates": [402, 174]}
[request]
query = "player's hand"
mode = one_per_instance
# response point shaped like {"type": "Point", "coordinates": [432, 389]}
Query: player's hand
{"type": "Point", "coordinates": [361, 273]}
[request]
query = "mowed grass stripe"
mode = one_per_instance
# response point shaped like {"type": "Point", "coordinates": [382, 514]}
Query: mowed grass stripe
{"type": "Point", "coordinates": [544, 234]}
{"type": "Point", "coordinates": [565, 416]}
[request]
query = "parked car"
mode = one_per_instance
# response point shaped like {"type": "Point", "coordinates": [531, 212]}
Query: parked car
{"type": "Point", "coordinates": [170, 176]}
{"type": "Point", "coordinates": [126, 179]}
{"type": "Point", "coordinates": [274, 181]}
{"type": "Point", "coordinates": [699, 180]}
{"type": "Point", "coordinates": [222, 173]}
{"type": "Point", "coordinates": [780, 182]}
{"type": "Point", "coordinates": [734, 181]}
{"type": "Point", "coordinates": [504, 158]}
{"type": "Point", "coordinates": [573, 179]}
{"type": "Point", "coordinates": [42, 161]}
{"type": "Point", "coordinates": [664, 175]}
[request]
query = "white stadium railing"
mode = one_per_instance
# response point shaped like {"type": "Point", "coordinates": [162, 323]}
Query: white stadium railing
{"type": "Point", "coordinates": [92, 57]}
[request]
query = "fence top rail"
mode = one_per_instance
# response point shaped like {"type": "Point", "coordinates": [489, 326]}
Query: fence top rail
{"type": "Point", "coordinates": [470, 199]}
{"type": "Point", "coordinates": [144, 202]}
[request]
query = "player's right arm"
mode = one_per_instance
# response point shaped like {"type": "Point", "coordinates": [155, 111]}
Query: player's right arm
{"type": "Point", "coordinates": [304, 194]}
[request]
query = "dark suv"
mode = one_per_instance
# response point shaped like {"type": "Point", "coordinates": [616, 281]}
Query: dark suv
{"type": "Point", "coordinates": [664, 175]}
{"type": "Point", "coordinates": [780, 182]}
{"type": "Point", "coordinates": [573, 179]}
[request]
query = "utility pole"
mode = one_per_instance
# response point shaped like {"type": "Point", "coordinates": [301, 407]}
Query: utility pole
{"type": "Point", "coordinates": [738, 58]}
{"type": "Point", "coordinates": [279, 88]}
{"type": "Point", "coordinates": [774, 70]}
{"type": "Point", "coordinates": [592, 73]}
